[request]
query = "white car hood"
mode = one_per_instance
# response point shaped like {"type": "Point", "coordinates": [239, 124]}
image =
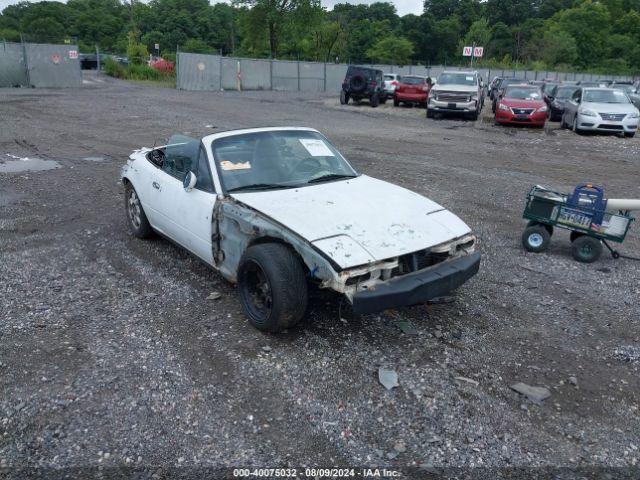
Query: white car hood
{"type": "Point", "coordinates": [359, 221]}
{"type": "Point", "coordinates": [453, 87]}
{"type": "Point", "coordinates": [609, 107]}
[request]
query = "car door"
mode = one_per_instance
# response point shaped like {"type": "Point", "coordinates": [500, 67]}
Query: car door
{"type": "Point", "coordinates": [571, 107]}
{"type": "Point", "coordinates": [186, 216]}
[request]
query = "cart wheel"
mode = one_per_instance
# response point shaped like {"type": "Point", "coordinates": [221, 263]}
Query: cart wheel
{"type": "Point", "coordinates": [615, 255]}
{"type": "Point", "coordinates": [586, 249]}
{"type": "Point", "coordinates": [536, 238]}
{"type": "Point", "coordinates": [549, 228]}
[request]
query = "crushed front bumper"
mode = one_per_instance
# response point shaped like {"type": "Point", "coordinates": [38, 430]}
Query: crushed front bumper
{"type": "Point", "coordinates": [419, 287]}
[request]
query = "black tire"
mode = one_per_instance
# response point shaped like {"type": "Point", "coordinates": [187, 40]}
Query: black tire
{"type": "Point", "coordinates": [383, 99]}
{"type": "Point", "coordinates": [374, 100]}
{"type": "Point", "coordinates": [272, 287]}
{"type": "Point", "coordinates": [586, 249]}
{"type": "Point", "coordinates": [358, 83]}
{"type": "Point", "coordinates": [629, 134]}
{"type": "Point", "coordinates": [474, 116]}
{"type": "Point", "coordinates": [136, 218]}
{"type": "Point", "coordinates": [396, 102]}
{"type": "Point", "coordinates": [575, 127]}
{"type": "Point", "coordinates": [344, 98]}
{"type": "Point", "coordinates": [574, 235]}
{"type": "Point", "coordinates": [536, 238]}
{"type": "Point", "coordinates": [429, 113]}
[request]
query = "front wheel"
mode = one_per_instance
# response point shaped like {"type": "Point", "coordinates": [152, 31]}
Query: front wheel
{"type": "Point", "coordinates": [575, 125]}
{"type": "Point", "coordinates": [629, 134]}
{"type": "Point", "coordinates": [272, 287]}
{"type": "Point", "coordinates": [344, 98]}
{"type": "Point", "coordinates": [536, 238]}
{"type": "Point", "coordinates": [429, 113]}
{"type": "Point", "coordinates": [474, 116]}
{"type": "Point", "coordinates": [375, 100]}
{"type": "Point", "coordinates": [137, 219]}
{"type": "Point", "coordinates": [396, 102]}
{"type": "Point", "coordinates": [586, 249]}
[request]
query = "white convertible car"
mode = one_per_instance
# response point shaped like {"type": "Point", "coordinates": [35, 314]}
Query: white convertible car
{"type": "Point", "coordinates": [277, 209]}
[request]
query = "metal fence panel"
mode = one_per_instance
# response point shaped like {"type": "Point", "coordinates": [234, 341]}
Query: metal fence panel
{"type": "Point", "coordinates": [335, 75]}
{"type": "Point", "coordinates": [13, 71]}
{"type": "Point", "coordinates": [284, 75]}
{"type": "Point", "coordinates": [55, 66]}
{"type": "Point", "coordinates": [255, 74]}
{"type": "Point", "coordinates": [311, 76]}
{"type": "Point", "coordinates": [199, 72]}
{"type": "Point", "coordinates": [230, 73]}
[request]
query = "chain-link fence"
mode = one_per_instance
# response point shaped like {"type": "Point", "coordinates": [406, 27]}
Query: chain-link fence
{"type": "Point", "coordinates": [213, 72]}
{"type": "Point", "coordinates": [39, 65]}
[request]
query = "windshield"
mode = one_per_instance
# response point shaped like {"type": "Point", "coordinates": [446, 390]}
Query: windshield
{"type": "Point", "coordinates": [565, 92]}
{"type": "Point", "coordinates": [277, 159]}
{"type": "Point", "coordinates": [457, 79]}
{"type": "Point", "coordinates": [605, 96]}
{"type": "Point", "coordinates": [389, 77]}
{"type": "Point", "coordinates": [547, 87]}
{"type": "Point", "coordinates": [412, 80]}
{"type": "Point", "coordinates": [523, 93]}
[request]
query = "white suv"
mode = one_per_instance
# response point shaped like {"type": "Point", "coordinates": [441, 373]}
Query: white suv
{"type": "Point", "coordinates": [456, 92]}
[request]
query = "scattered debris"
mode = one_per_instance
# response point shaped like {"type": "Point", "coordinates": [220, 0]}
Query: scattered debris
{"type": "Point", "coordinates": [406, 327]}
{"type": "Point", "coordinates": [467, 380]}
{"type": "Point", "coordinates": [573, 381]}
{"type": "Point", "coordinates": [214, 296]}
{"type": "Point", "coordinates": [400, 447]}
{"type": "Point", "coordinates": [388, 378]}
{"type": "Point", "coordinates": [266, 348]}
{"type": "Point", "coordinates": [627, 353]}
{"type": "Point", "coordinates": [535, 394]}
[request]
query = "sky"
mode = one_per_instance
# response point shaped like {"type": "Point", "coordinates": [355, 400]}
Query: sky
{"type": "Point", "coordinates": [402, 6]}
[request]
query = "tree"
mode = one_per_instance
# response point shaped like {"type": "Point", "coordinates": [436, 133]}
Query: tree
{"type": "Point", "coordinates": [557, 46]}
{"type": "Point", "coordinates": [391, 49]}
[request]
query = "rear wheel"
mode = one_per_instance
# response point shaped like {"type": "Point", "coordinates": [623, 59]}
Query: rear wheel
{"type": "Point", "coordinates": [272, 287]}
{"type": "Point", "coordinates": [429, 113]}
{"type": "Point", "coordinates": [575, 127]}
{"type": "Point", "coordinates": [383, 99]}
{"type": "Point", "coordinates": [474, 116]}
{"type": "Point", "coordinates": [374, 100]}
{"type": "Point", "coordinates": [344, 98]}
{"type": "Point", "coordinates": [396, 102]}
{"type": "Point", "coordinates": [536, 238]}
{"type": "Point", "coordinates": [586, 249]}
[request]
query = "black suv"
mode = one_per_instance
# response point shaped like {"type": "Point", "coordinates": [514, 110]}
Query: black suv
{"type": "Point", "coordinates": [363, 82]}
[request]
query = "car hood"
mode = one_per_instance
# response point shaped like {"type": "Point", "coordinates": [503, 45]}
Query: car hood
{"type": "Point", "coordinates": [452, 87]}
{"type": "Point", "coordinates": [518, 103]}
{"type": "Point", "coordinates": [359, 221]}
{"type": "Point", "coordinates": [609, 107]}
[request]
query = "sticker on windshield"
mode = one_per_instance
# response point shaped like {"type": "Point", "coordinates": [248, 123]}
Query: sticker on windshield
{"type": "Point", "coordinates": [317, 148]}
{"type": "Point", "coordinates": [227, 165]}
{"type": "Point", "coordinates": [469, 79]}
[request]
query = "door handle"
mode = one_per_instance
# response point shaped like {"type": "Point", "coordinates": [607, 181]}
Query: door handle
{"type": "Point", "coordinates": [156, 185]}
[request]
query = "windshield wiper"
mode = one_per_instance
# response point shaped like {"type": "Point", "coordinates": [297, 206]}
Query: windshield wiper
{"type": "Point", "coordinates": [331, 176]}
{"type": "Point", "coordinates": [260, 186]}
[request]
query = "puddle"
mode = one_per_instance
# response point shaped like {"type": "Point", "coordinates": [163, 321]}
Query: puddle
{"type": "Point", "coordinates": [95, 159]}
{"type": "Point", "coordinates": [26, 164]}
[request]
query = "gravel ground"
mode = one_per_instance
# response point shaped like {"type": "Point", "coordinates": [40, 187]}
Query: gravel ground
{"type": "Point", "coordinates": [113, 360]}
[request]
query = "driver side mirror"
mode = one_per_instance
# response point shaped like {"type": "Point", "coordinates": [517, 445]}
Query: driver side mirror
{"type": "Point", "coordinates": [189, 181]}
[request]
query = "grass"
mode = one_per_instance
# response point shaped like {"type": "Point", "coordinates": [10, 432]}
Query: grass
{"type": "Point", "coordinates": [143, 74]}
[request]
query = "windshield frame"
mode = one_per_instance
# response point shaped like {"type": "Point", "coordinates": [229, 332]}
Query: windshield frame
{"type": "Point", "coordinates": [474, 82]}
{"type": "Point", "coordinates": [224, 189]}
{"type": "Point", "coordinates": [612, 91]}
{"type": "Point", "coordinates": [522, 87]}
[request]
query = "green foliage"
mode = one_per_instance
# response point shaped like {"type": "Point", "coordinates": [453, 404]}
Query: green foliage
{"type": "Point", "coordinates": [114, 69]}
{"type": "Point", "coordinates": [391, 50]}
{"type": "Point", "coordinates": [135, 72]}
{"type": "Point", "coordinates": [596, 35]}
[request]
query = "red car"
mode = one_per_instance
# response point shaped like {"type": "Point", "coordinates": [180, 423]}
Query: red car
{"type": "Point", "coordinates": [523, 105]}
{"type": "Point", "coordinates": [411, 90]}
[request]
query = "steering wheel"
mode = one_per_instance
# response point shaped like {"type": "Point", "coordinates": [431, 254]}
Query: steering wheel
{"type": "Point", "coordinates": [308, 165]}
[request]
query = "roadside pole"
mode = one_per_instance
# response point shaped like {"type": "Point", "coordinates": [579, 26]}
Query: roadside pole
{"type": "Point", "coordinates": [473, 51]}
{"type": "Point", "coordinates": [98, 58]}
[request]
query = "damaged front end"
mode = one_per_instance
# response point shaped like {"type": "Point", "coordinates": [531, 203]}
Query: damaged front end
{"type": "Point", "coordinates": [409, 279]}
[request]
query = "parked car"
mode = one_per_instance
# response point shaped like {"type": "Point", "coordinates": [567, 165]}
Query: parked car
{"type": "Point", "coordinates": [521, 104]}
{"type": "Point", "coordinates": [493, 86]}
{"type": "Point", "coordinates": [361, 83]}
{"type": "Point", "coordinates": [390, 84]}
{"type": "Point", "coordinates": [278, 209]}
{"type": "Point", "coordinates": [456, 92]}
{"type": "Point", "coordinates": [632, 90]}
{"type": "Point", "coordinates": [592, 84]}
{"type": "Point", "coordinates": [556, 100]}
{"type": "Point", "coordinates": [411, 90]}
{"type": "Point", "coordinates": [547, 88]}
{"type": "Point", "coordinates": [601, 109]}
{"type": "Point", "coordinates": [501, 88]}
